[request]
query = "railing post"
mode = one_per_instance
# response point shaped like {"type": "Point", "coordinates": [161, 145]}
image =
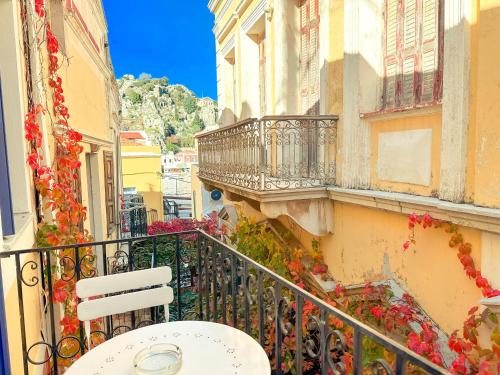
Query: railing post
{"type": "Point", "coordinates": [262, 153]}
{"type": "Point", "coordinates": [357, 352]}
{"type": "Point", "coordinates": [299, 302]}
{"type": "Point", "coordinates": [178, 266]}
{"type": "Point", "coordinates": [199, 278]}
{"type": "Point", "coordinates": [278, 334]}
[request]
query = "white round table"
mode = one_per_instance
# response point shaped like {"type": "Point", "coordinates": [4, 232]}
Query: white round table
{"type": "Point", "coordinates": [207, 348]}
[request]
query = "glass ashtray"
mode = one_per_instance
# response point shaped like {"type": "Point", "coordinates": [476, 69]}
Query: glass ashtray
{"type": "Point", "coordinates": [158, 359]}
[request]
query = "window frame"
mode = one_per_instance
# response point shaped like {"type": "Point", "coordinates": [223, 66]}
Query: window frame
{"type": "Point", "coordinates": [417, 101]}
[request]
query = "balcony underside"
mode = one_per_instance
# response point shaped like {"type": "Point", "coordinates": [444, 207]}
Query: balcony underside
{"type": "Point", "coordinates": [310, 208]}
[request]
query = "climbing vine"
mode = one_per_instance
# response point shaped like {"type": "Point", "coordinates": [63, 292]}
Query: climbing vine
{"type": "Point", "coordinates": [471, 356]}
{"type": "Point", "coordinates": [399, 317]}
{"type": "Point", "coordinates": [56, 182]}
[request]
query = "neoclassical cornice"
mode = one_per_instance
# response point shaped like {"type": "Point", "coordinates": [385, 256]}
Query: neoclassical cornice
{"type": "Point", "coordinates": [212, 4]}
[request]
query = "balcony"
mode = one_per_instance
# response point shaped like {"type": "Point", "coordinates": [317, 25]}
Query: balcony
{"type": "Point", "coordinates": [212, 282]}
{"type": "Point", "coordinates": [274, 153]}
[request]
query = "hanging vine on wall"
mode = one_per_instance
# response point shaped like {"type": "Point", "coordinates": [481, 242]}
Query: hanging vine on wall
{"type": "Point", "coordinates": [400, 318]}
{"type": "Point", "coordinates": [472, 356]}
{"type": "Point", "coordinates": [56, 184]}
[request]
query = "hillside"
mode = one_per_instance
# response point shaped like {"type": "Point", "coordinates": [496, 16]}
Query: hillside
{"type": "Point", "coordinates": [170, 114]}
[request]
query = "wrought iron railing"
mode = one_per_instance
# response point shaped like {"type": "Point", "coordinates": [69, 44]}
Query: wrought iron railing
{"type": "Point", "coordinates": [134, 221]}
{"type": "Point", "coordinates": [271, 153]}
{"type": "Point", "coordinates": [170, 209]}
{"type": "Point", "coordinates": [211, 282]}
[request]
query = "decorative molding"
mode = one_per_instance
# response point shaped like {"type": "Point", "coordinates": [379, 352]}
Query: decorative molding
{"type": "Point", "coordinates": [71, 6]}
{"type": "Point", "coordinates": [212, 4]}
{"type": "Point", "coordinates": [493, 304]}
{"type": "Point", "coordinates": [256, 14]}
{"type": "Point", "coordinates": [228, 46]}
{"type": "Point", "coordinates": [223, 11]}
{"type": "Point", "coordinates": [456, 91]}
{"type": "Point", "coordinates": [467, 215]}
{"type": "Point", "coordinates": [95, 140]}
{"type": "Point", "coordinates": [269, 10]}
{"type": "Point", "coordinates": [242, 5]}
{"type": "Point", "coordinates": [225, 29]}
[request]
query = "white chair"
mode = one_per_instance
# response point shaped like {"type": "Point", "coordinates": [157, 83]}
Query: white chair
{"type": "Point", "coordinates": [90, 309]}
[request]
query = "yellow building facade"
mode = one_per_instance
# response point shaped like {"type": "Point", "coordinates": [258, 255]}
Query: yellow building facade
{"type": "Point", "coordinates": [91, 95]}
{"type": "Point", "coordinates": [141, 171]}
{"type": "Point", "coordinates": [361, 113]}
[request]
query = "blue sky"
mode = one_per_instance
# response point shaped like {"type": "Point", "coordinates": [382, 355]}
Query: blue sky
{"type": "Point", "coordinates": [164, 38]}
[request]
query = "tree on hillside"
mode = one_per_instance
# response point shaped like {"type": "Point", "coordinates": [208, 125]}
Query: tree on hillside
{"type": "Point", "coordinates": [168, 130]}
{"type": "Point", "coordinates": [197, 125]}
{"type": "Point", "coordinates": [189, 104]}
{"type": "Point", "coordinates": [133, 96]}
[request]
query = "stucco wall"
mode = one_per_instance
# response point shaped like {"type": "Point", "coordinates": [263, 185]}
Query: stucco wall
{"type": "Point", "coordinates": [367, 246]}
{"type": "Point", "coordinates": [141, 168]}
{"type": "Point", "coordinates": [484, 149]}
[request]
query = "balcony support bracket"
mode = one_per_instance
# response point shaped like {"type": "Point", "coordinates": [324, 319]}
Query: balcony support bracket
{"type": "Point", "coordinates": [313, 215]}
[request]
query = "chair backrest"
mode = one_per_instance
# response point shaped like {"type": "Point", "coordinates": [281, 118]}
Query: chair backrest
{"type": "Point", "coordinates": [90, 309]}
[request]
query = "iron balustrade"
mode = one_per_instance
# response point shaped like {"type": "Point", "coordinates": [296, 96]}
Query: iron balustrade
{"type": "Point", "coordinates": [134, 221]}
{"type": "Point", "coordinates": [271, 153]}
{"type": "Point", "coordinates": [211, 282]}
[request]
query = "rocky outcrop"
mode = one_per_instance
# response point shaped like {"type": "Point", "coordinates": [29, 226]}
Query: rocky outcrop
{"type": "Point", "coordinates": [170, 114]}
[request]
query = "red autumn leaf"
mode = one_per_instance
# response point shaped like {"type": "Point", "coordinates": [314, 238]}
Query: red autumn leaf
{"type": "Point", "coordinates": [436, 358]}
{"type": "Point", "coordinates": [481, 282]}
{"type": "Point", "coordinates": [377, 312]}
{"type": "Point", "coordinates": [406, 245]}
{"type": "Point", "coordinates": [60, 291]}
{"type": "Point", "coordinates": [70, 324]}
{"type": "Point", "coordinates": [318, 269]}
{"type": "Point", "coordinates": [466, 260]}
{"type": "Point", "coordinates": [458, 366]}
{"type": "Point", "coordinates": [414, 342]}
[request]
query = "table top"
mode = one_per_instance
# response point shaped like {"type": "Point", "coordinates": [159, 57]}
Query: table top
{"type": "Point", "coordinates": [207, 348]}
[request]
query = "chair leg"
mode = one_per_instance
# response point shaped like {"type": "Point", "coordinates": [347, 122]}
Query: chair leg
{"type": "Point", "coordinates": [87, 332]}
{"type": "Point", "coordinates": [167, 315]}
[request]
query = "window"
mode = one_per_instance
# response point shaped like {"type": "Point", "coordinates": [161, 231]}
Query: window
{"type": "Point", "coordinates": [412, 51]}
{"type": "Point", "coordinates": [6, 212]}
{"type": "Point", "coordinates": [309, 56]}
{"type": "Point", "coordinates": [109, 181]}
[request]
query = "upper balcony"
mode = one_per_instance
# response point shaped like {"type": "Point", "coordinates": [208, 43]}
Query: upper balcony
{"type": "Point", "coordinates": [269, 155]}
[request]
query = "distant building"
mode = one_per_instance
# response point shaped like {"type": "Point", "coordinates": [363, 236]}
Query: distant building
{"type": "Point", "coordinates": [168, 161]}
{"type": "Point", "coordinates": [142, 174]}
{"type": "Point", "coordinates": [187, 156]}
{"type": "Point", "coordinates": [135, 137]}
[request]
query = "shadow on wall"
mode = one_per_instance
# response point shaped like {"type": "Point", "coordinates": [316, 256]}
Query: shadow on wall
{"type": "Point", "coordinates": [246, 111]}
{"type": "Point", "coordinates": [226, 117]}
